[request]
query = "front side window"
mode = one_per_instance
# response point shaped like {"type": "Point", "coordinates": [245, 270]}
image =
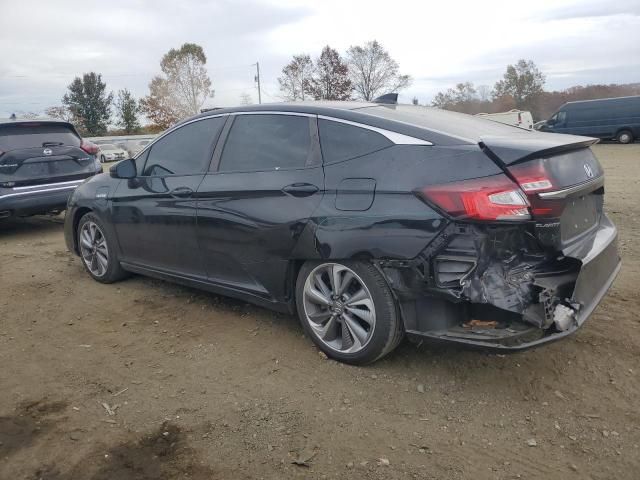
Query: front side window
{"type": "Point", "coordinates": [185, 151]}
{"type": "Point", "coordinates": [562, 118]}
{"type": "Point", "coordinates": [266, 142]}
{"type": "Point", "coordinates": [340, 141]}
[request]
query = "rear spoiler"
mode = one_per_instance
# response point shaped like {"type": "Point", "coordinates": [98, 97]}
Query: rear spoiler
{"type": "Point", "coordinates": [521, 148]}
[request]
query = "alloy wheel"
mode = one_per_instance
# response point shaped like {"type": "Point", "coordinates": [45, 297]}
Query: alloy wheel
{"type": "Point", "coordinates": [93, 248]}
{"type": "Point", "coordinates": [339, 308]}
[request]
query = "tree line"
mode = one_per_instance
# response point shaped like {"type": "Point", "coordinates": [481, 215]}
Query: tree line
{"type": "Point", "coordinates": [365, 72]}
{"type": "Point", "coordinates": [178, 92]}
{"type": "Point", "coordinates": [522, 87]}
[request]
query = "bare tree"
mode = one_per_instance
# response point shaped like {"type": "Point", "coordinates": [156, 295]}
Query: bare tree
{"type": "Point", "coordinates": [183, 88]}
{"type": "Point", "coordinates": [330, 79]}
{"type": "Point", "coordinates": [296, 77]}
{"type": "Point", "coordinates": [60, 112]}
{"type": "Point", "coordinates": [26, 115]}
{"type": "Point", "coordinates": [484, 93]}
{"type": "Point", "coordinates": [373, 72]}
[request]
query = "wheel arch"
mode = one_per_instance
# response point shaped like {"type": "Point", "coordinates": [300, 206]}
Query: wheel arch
{"type": "Point", "coordinates": [77, 215]}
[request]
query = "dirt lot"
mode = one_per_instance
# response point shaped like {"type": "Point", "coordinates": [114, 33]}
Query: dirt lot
{"type": "Point", "coordinates": [147, 380]}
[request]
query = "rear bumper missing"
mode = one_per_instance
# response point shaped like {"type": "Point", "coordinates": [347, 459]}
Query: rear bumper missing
{"type": "Point", "coordinates": [432, 318]}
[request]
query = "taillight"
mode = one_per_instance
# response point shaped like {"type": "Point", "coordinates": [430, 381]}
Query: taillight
{"type": "Point", "coordinates": [534, 178]}
{"type": "Point", "coordinates": [487, 198]}
{"type": "Point", "coordinates": [89, 147]}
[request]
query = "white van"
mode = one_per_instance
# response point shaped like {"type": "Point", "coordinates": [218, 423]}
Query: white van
{"type": "Point", "coordinates": [518, 118]}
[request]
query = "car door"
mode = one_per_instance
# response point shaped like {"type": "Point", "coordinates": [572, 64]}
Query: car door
{"type": "Point", "coordinates": [267, 180]}
{"type": "Point", "coordinates": [154, 214]}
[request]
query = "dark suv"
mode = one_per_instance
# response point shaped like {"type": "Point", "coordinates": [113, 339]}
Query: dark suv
{"type": "Point", "coordinates": [41, 162]}
{"type": "Point", "coordinates": [369, 220]}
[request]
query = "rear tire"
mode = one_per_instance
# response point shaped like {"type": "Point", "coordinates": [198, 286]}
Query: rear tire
{"type": "Point", "coordinates": [98, 250]}
{"type": "Point", "coordinates": [348, 310]}
{"type": "Point", "coordinates": [625, 137]}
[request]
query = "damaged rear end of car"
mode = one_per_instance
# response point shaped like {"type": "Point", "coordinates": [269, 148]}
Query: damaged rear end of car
{"type": "Point", "coordinates": [525, 256]}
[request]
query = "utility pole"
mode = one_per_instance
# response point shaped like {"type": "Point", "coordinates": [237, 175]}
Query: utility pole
{"type": "Point", "coordinates": [257, 79]}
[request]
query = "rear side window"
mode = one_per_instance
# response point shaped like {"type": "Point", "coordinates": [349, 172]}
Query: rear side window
{"type": "Point", "coordinates": [184, 151]}
{"type": "Point", "coordinates": [30, 135]}
{"type": "Point", "coordinates": [340, 141]}
{"type": "Point", "coordinates": [266, 142]}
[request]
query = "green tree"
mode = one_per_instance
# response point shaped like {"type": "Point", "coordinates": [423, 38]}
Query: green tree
{"type": "Point", "coordinates": [127, 110]}
{"type": "Point", "coordinates": [182, 88]}
{"type": "Point", "coordinates": [373, 72]}
{"type": "Point", "coordinates": [454, 97]}
{"type": "Point", "coordinates": [89, 103]}
{"type": "Point", "coordinates": [524, 82]}
{"type": "Point", "coordinates": [330, 79]}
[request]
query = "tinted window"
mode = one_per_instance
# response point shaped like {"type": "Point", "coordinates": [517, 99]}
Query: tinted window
{"type": "Point", "coordinates": [340, 141]}
{"type": "Point", "coordinates": [266, 142]}
{"type": "Point", "coordinates": [35, 135]}
{"type": "Point", "coordinates": [185, 151]}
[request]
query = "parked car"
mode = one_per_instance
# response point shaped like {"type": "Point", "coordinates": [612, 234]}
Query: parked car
{"type": "Point", "coordinates": [370, 221]}
{"type": "Point", "coordinates": [517, 118]}
{"type": "Point", "coordinates": [41, 162]}
{"type": "Point", "coordinates": [606, 118]}
{"type": "Point", "coordinates": [111, 153]}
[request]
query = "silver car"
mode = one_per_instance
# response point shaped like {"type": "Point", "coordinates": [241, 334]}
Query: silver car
{"type": "Point", "coordinates": [111, 153]}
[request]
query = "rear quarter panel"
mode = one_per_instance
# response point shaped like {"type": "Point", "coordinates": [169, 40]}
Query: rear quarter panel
{"type": "Point", "coordinates": [395, 224]}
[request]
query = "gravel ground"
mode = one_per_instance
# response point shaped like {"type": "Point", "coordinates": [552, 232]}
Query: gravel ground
{"type": "Point", "coordinates": [147, 380]}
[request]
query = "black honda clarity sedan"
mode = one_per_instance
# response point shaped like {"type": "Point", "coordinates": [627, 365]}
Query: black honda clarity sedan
{"type": "Point", "coordinates": [369, 220]}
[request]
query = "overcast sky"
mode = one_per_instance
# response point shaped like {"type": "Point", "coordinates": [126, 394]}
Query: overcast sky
{"type": "Point", "coordinates": [44, 44]}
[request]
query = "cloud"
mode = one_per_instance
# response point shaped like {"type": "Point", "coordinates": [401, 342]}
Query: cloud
{"type": "Point", "coordinates": [592, 10]}
{"type": "Point", "coordinates": [46, 44]}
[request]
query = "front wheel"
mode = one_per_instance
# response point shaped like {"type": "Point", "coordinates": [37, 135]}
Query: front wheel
{"type": "Point", "coordinates": [625, 137]}
{"type": "Point", "coordinates": [348, 310]}
{"type": "Point", "coordinates": [98, 251]}
{"type": "Point", "coordinates": [102, 159]}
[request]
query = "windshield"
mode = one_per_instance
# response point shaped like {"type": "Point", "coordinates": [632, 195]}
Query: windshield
{"type": "Point", "coordinates": [108, 146]}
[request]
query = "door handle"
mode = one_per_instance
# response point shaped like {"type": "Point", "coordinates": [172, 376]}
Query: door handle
{"type": "Point", "coordinates": [181, 192]}
{"type": "Point", "coordinates": [300, 189]}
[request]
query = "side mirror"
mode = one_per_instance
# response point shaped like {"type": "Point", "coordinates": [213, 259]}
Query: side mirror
{"type": "Point", "coordinates": [124, 169]}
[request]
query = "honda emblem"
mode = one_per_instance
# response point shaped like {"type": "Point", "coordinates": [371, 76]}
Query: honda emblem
{"type": "Point", "coordinates": [47, 151]}
{"type": "Point", "coordinates": [588, 171]}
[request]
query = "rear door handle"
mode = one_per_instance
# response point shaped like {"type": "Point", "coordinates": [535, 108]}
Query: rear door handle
{"type": "Point", "coordinates": [181, 192]}
{"type": "Point", "coordinates": [300, 189]}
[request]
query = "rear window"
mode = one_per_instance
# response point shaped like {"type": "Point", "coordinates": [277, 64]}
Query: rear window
{"type": "Point", "coordinates": [451, 123]}
{"type": "Point", "coordinates": [340, 141]}
{"type": "Point", "coordinates": [31, 135]}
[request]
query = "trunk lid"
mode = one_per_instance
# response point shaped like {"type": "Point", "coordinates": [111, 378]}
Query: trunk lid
{"type": "Point", "coordinates": [33, 153]}
{"type": "Point", "coordinates": [563, 181]}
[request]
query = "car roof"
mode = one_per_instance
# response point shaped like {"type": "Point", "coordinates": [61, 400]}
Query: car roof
{"type": "Point", "coordinates": [18, 121]}
{"type": "Point", "coordinates": [441, 127]}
